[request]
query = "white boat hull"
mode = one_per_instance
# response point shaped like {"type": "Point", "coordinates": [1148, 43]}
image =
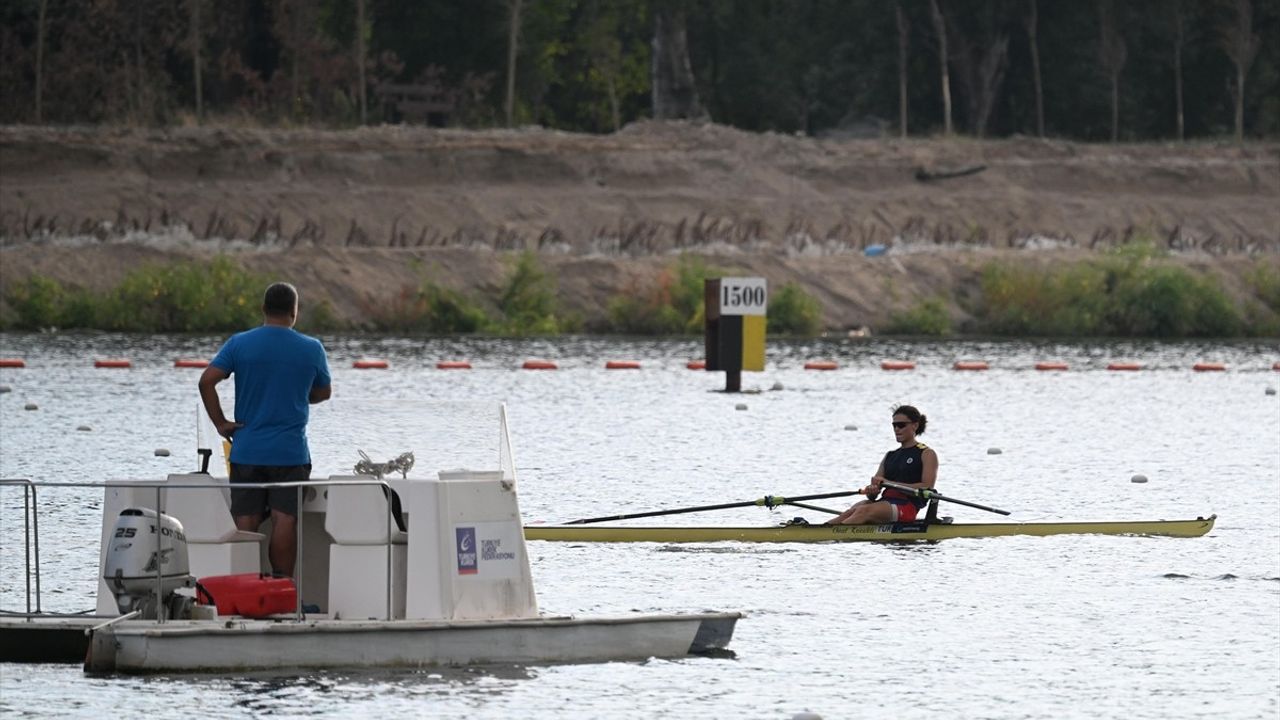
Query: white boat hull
{"type": "Point", "coordinates": [221, 645]}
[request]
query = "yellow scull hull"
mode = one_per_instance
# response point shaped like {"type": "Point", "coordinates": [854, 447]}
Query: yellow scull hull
{"type": "Point", "coordinates": [905, 532]}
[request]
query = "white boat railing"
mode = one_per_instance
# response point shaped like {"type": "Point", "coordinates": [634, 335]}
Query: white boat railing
{"type": "Point", "coordinates": [29, 519]}
{"type": "Point", "coordinates": [31, 526]}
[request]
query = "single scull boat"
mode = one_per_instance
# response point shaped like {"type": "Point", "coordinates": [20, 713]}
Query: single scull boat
{"type": "Point", "coordinates": [897, 532]}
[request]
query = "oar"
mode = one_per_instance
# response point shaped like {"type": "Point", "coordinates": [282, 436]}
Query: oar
{"type": "Point", "coordinates": [769, 501]}
{"type": "Point", "coordinates": [927, 494]}
{"type": "Point", "coordinates": [814, 507]}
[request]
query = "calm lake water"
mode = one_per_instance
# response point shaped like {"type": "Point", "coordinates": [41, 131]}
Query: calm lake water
{"type": "Point", "coordinates": [989, 628]}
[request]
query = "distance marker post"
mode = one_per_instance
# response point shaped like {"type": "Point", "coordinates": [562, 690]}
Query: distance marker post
{"type": "Point", "coordinates": [735, 326]}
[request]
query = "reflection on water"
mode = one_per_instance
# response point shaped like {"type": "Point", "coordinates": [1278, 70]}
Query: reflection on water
{"type": "Point", "coordinates": [1149, 626]}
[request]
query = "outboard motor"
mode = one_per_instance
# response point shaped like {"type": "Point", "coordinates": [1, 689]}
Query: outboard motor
{"type": "Point", "coordinates": [131, 563]}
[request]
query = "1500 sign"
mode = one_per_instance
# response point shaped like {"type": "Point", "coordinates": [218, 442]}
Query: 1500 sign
{"type": "Point", "coordinates": [743, 296]}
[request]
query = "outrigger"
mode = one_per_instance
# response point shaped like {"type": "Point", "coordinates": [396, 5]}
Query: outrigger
{"type": "Point", "coordinates": [932, 527]}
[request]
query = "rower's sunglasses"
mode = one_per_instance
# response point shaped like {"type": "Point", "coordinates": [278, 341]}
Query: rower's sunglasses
{"type": "Point", "coordinates": [899, 424]}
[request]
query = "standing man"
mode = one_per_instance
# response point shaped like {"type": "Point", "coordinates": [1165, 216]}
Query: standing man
{"type": "Point", "coordinates": [279, 373]}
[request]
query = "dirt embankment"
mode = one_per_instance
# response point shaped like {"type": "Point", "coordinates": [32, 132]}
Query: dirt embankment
{"type": "Point", "coordinates": [347, 214]}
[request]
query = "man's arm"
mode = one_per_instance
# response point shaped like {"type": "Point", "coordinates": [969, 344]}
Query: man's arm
{"type": "Point", "coordinates": [320, 394]}
{"type": "Point", "coordinates": [209, 380]}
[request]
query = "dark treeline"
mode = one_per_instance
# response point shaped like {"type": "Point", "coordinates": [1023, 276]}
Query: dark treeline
{"type": "Point", "coordinates": [1093, 70]}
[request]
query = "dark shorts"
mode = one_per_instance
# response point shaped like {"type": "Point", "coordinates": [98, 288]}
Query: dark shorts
{"type": "Point", "coordinates": [259, 501]}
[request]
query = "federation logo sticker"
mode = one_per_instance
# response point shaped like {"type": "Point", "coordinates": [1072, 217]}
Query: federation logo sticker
{"type": "Point", "coordinates": [466, 542]}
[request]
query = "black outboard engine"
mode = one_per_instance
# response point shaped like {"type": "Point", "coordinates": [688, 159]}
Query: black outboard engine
{"type": "Point", "coordinates": [133, 556]}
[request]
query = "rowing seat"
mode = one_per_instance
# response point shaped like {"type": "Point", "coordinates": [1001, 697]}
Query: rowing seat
{"type": "Point", "coordinates": [357, 519]}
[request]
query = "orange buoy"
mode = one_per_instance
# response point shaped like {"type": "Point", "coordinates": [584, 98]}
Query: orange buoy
{"type": "Point", "coordinates": [1124, 366]}
{"type": "Point", "coordinates": [190, 363]}
{"type": "Point", "coordinates": [622, 365]}
{"type": "Point", "coordinates": [897, 365]}
{"type": "Point", "coordinates": [453, 365]}
{"type": "Point", "coordinates": [112, 363]}
{"type": "Point", "coordinates": [702, 365]}
{"type": "Point", "coordinates": [538, 365]}
{"type": "Point", "coordinates": [19, 363]}
{"type": "Point", "coordinates": [821, 365]}
{"type": "Point", "coordinates": [1208, 367]}
{"type": "Point", "coordinates": [370, 364]}
{"type": "Point", "coordinates": [1051, 366]}
{"type": "Point", "coordinates": [1273, 367]}
{"type": "Point", "coordinates": [970, 365]}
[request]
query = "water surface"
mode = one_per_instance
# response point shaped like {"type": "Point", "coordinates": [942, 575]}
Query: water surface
{"type": "Point", "coordinates": [1001, 628]}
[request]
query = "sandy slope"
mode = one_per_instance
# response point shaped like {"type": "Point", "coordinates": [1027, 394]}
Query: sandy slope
{"type": "Point", "coordinates": [346, 213]}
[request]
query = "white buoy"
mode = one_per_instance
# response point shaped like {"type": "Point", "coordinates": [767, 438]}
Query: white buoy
{"type": "Point", "coordinates": [1270, 390]}
{"type": "Point", "coordinates": [740, 406]}
{"type": "Point", "coordinates": [162, 452]}
{"type": "Point", "coordinates": [31, 406]}
{"type": "Point", "coordinates": [776, 386]}
{"type": "Point", "coordinates": [5, 389]}
{"type": "Point", "coordinates": [1138, 479]}
{"type": "Point", "coordinates": [851, 426]}
{"type": "Point", "coordinates": [994, 451]}
{"type": "Point", "coordinates": [84, 428]}
{"type": "Point", "coordinates": [806, 715]}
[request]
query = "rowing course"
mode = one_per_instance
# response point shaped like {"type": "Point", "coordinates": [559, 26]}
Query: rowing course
{"type": "Point", "coordinates": [1122, 618]}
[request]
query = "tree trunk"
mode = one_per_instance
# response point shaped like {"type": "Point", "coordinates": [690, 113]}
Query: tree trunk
{"type": "Point", "coordinates": [1113, 53]}
{"type": "Point", "coordinates": [1242, 47]}
{"type": "Point", "coordinates": [903, 37]}
{"type": "Point", "coordinates": [614, 110]}
{"type": "Point", "coordinates": [40, 27]}
{"type": "Point", "coordinates": [137, 57]}
{"type": "Point", "coordinates": [1178, 40]}
{"type": "Point", "coordinates": [940, 28]}
{"type": "Point", "coordinates": [1032, 22]}
{"type": "Point", "coordinates": [295, 82]}
{"type": "Point", "coordinates": [194, 6]}
{"type": "Point", "coordinates": [364, 113]}
{"type": "Point", "coordinates": [1115, 106]}
{"type": "Point", "coordinates": [675, 93]}
{"type": "Point", "coordinates": [513, 41]}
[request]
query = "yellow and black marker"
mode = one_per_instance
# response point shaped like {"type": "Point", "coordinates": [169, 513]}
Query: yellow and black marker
{"type": "Point", "coordinates": [735, 326]}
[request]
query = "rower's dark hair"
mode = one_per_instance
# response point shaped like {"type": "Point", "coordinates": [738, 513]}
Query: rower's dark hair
{"type": "Point", "coordinates": [280, 299]}
{"type": "Point", "coordinates": [914, 416]}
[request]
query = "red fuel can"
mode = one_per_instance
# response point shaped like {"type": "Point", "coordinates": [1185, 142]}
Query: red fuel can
{"type": "Point", "coordinates": [251, 595]}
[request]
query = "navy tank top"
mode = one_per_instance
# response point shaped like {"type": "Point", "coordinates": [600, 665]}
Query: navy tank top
{"type": "Point", "coordinates": [906, 466]}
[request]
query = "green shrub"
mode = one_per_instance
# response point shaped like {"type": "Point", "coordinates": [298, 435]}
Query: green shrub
{"type": "Point", "coordinates": [1264, 280]}
{"type": "Point", "coordinates": [315, 317]}
{"type": "Point", "coordinates": [38, 302]}
{"type": "Point", "coordinates": [1019, 301]}
{"type": "Point", "coordinates": [673, 305]}
{"type": "Point", "coordinates": [185, 297]}
{"type": "Point", "coordinates": [528, 302]}
{"type": "Point", "coordinates": [1127, 292]}
{"type": "Point", "coordinates": [428, 308]}
{"type": "Point", "coordinates": [792, 311]}
{"type": "Point", "coordinates": [927, 317]}
{"type": "Point", "coordinates": [636, 314]}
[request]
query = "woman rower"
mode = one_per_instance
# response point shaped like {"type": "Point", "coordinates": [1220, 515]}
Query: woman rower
{"type": "Point", "coordinates": [913, 463]}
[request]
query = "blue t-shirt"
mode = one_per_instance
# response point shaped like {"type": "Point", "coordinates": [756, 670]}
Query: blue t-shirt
{"type": "Point", "coordinates": [274, 368]}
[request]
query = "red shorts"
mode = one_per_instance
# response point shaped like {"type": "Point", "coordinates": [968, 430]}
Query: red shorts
{"type": "Point", "coordinates": [903, 511]}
